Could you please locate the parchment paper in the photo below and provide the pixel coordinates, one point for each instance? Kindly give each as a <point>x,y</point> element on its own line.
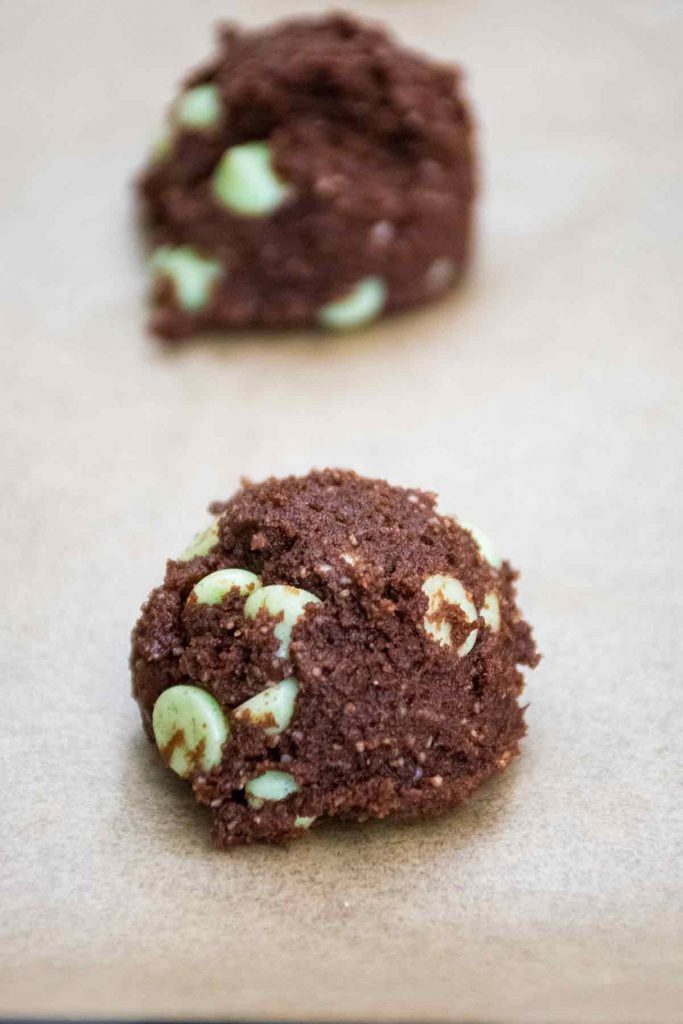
<point>543,402</point>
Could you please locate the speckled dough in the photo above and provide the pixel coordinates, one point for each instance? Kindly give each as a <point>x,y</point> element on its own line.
<point>312,173</point>
<point>368,667</point>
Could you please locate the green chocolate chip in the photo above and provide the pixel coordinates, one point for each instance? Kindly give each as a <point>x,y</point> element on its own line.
<point>490,611</point>
<point>202,543</point>
<point>287,604</point>
<point>270,786</point>
<point>192,275</point>
<point>361,305</point>
<point>244,180</point>
<point>190,729</point>
<point>199,107</point>
<point>273,708</point>
<point>447,590</point>
<point>213,588</point>
<point>304,821</point>
<point>484,543</point>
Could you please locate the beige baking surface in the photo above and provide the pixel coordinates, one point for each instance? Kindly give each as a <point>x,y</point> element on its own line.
<point>543,402</point>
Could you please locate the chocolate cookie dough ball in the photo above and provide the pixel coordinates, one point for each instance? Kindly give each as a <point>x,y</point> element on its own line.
<point>313,173</point>
<point>331,647</point>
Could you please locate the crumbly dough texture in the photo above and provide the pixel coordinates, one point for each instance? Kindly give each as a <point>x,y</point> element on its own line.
<point>387,720</point>
<point>374,145</point>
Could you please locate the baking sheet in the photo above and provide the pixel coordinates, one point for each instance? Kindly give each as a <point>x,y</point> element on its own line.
<point>543,402</point>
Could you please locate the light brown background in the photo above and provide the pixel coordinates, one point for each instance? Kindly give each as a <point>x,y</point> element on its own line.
<point>543,402</point>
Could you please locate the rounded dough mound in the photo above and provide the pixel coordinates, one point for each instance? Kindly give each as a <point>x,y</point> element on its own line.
<point>368,667</point>
<point>315,173</point>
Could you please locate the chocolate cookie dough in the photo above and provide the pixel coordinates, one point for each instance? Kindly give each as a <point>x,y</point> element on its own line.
<point>331,646</point>
<point>312,173</point>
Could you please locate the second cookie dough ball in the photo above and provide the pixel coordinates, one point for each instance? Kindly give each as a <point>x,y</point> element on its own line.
<point>313,173</point>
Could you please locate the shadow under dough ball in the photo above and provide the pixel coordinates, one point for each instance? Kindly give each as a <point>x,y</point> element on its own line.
<point>312,173</point>
<point>331,646</point>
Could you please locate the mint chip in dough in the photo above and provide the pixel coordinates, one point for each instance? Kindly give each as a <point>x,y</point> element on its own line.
<point>199,108</point>
<point>246,183</point>
<point>192,275</point>
<point>190,729</point>
<point>362,304</point>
